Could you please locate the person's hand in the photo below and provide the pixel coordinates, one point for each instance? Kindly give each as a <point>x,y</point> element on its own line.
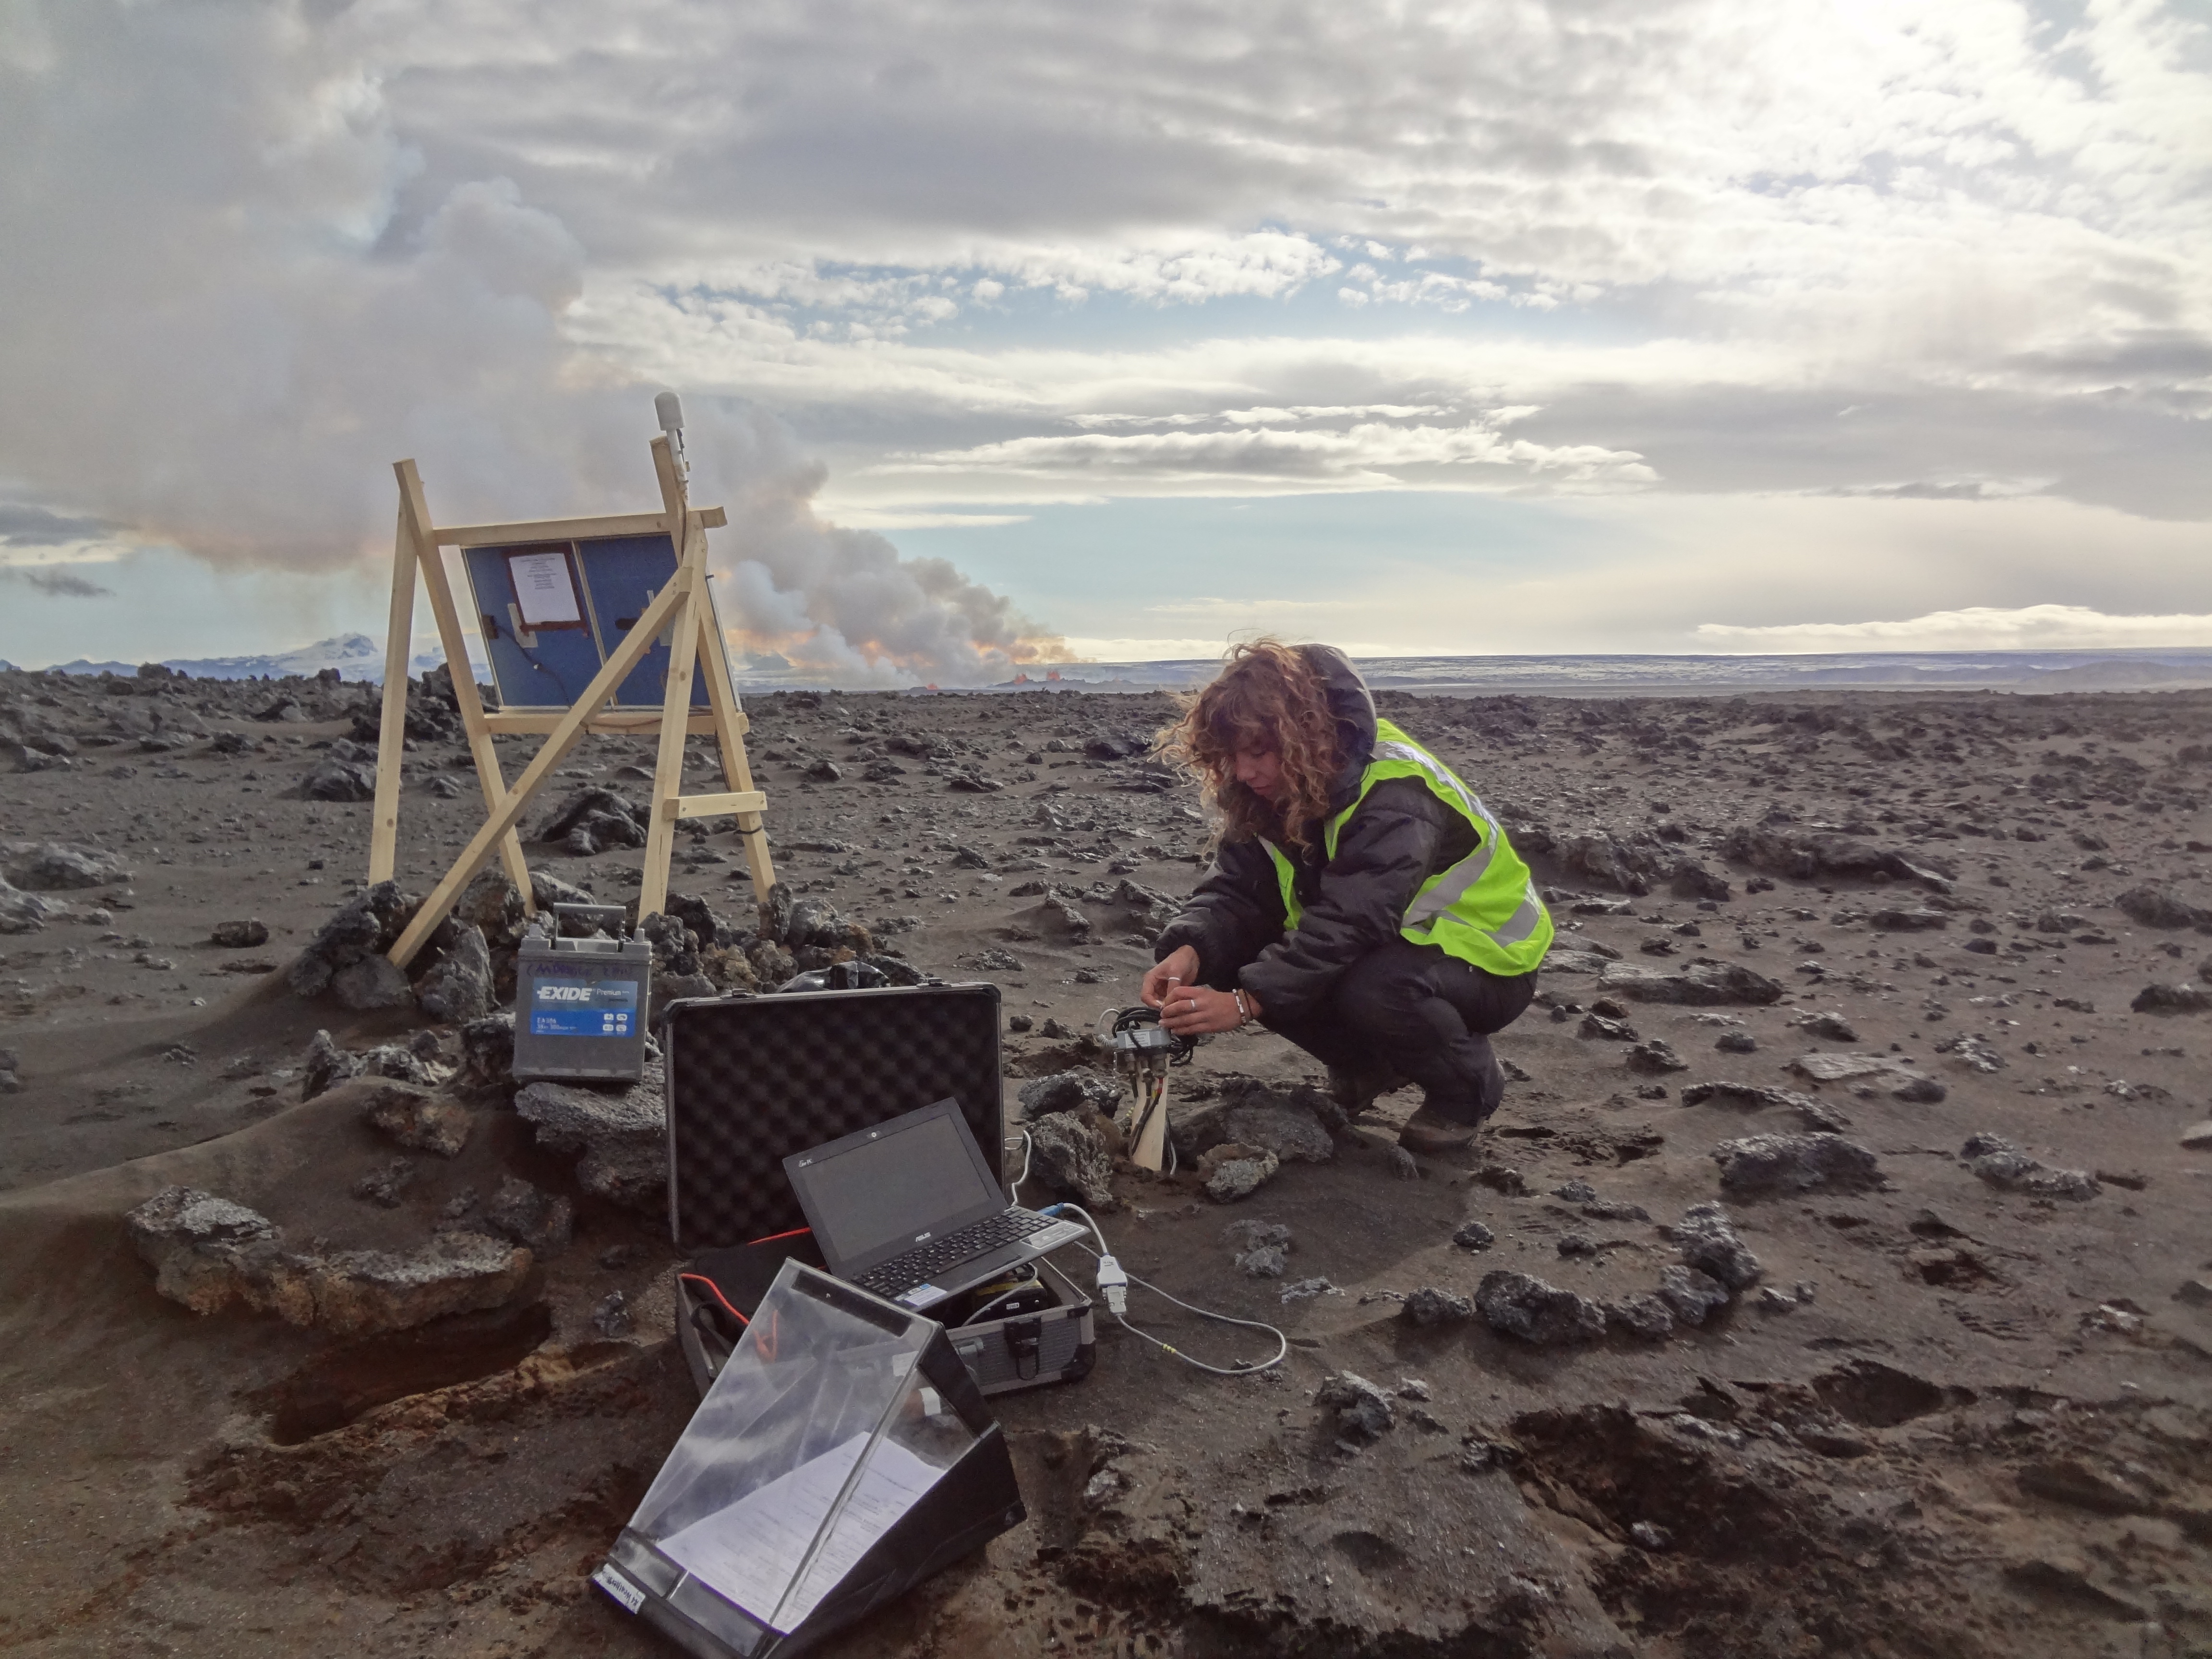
<point>1178,967</point>
<point>1195,1011</point>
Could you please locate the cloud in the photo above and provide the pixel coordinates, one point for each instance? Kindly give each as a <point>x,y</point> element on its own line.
<point>25,526</point>
<point>1976,628</point>
<point>56,581</point>
<point>1367,455</point>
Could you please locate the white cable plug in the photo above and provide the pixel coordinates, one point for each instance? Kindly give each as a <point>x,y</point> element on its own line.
<point>1114,1285</point>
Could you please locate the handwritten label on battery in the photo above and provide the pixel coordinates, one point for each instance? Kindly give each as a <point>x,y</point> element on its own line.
<point>614,1584</point>
<point>599,1008</point>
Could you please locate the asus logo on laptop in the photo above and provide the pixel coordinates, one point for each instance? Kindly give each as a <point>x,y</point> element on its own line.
<point>922,1238</point>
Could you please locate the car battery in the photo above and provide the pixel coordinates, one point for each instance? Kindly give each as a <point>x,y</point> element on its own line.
<point>580,1003</point>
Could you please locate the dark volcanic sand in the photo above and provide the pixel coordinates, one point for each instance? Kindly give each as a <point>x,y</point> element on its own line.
<point>1981,1429</point>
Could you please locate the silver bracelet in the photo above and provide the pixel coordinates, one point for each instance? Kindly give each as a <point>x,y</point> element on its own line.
<point>1244,1010</point>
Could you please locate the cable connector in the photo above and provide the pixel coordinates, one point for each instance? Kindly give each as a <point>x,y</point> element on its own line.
<point>1114,1285</point>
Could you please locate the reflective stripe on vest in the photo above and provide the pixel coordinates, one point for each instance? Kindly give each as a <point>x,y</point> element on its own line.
<point>1458,909</point>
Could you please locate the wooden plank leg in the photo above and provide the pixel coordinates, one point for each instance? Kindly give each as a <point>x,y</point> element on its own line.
<point>414,513</point>
<point>736,768</point>
<point>391,729</point>
<point>668,767</point>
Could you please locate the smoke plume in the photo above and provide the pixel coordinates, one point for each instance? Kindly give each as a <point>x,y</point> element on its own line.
<point>230,308</point>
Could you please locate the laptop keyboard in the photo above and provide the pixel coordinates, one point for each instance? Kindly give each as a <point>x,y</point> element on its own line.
<point>904,1273</point>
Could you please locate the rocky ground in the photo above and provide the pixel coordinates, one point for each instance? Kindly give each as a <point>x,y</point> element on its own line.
<point>1835,1280</point>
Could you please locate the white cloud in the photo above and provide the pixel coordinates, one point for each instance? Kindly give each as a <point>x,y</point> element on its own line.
<point>1976,628</point>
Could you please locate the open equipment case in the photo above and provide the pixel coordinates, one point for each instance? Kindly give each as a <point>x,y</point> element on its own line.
<point>752,1081</point>
<point>843,1456</point>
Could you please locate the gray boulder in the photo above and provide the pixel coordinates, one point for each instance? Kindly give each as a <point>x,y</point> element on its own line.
<point>1292,1123</point>
<point>1796,1163</point>
<point>1519,1305</point>
<point>202,1249</point>
<point>1074,1090</point>
<point>1068,1153</point>
<point>530,1216</point>
<point>1816,1114</point>
<point>331,779</point>
<point>326,1065</point>
<point>1233,1171</point>
<point>1645,1316</point>
<point>2159,906</point>
<point>24,913</point>
<point>2171,999</point>
<point>488,1052</point>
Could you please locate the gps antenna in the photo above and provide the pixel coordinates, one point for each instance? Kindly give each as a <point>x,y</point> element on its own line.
<point>670,409</point>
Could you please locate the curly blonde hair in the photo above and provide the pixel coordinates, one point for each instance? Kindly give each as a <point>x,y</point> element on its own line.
<point>1266,697</point>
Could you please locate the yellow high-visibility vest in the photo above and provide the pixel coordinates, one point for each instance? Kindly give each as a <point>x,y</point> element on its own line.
<point>1483,909</point>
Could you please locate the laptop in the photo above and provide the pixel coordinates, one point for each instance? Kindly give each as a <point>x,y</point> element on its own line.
<point>910,1210</point>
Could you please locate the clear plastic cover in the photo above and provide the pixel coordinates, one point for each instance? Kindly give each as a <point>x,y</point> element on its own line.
<point>820,1432</point>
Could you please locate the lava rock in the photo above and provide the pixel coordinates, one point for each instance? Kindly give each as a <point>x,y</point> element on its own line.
<point>326,1065</point>
<point>1233,1171</point>
<point>1829,1027</point>
<point>1431,1306</point>
<point>1707,1241</point>
<point>414,1118</point>
<point>621,1135</point>
<point>53,866</point>
<point>2158,906</point>
<point>1363,1413</point>
<point>2171,999</point>
<point>24,913</point>
<point>332,779</point>
<point>1908,921</point>
<point>487,1053</point>
<point>240,935</point>
<point>1288,1123</point>
<point>384,1186</point>
<point>1263,1262</point>
<point>529,1215</point>
<point>372,983</point>
<point>1817,1114</point>
<point>202,1249</point>
<point>1068,1151</point>
<point>1997,1161</point>
<point>1803,856</point>
<point>1072,1091</point>
<point>1473,1235</point>
<point>460,989</point>
<point>1517,1304</point>
<point>364,927</point>
<point>594,820</point>
<point>1690,1294</point>
<point>1644,1317</point>
<point>1249,1233</point>
<point>1919,1091</point>
<point>1795,1163</point>
<point>612,1318</point>
<point>1699,984</point>
<point>1654,1057</point>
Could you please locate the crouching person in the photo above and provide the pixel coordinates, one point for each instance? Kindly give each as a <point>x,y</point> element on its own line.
<point>1362,902</point>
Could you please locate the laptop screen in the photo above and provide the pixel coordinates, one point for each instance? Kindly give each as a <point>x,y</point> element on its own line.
<point>913,1175</point>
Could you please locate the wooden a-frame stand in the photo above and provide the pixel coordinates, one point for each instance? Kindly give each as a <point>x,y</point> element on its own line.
<point>679,610</point>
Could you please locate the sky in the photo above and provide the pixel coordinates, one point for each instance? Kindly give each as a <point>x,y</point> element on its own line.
<point>1011,333</point>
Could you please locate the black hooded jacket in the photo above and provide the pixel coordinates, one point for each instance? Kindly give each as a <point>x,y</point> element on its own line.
<point>1401,835</point>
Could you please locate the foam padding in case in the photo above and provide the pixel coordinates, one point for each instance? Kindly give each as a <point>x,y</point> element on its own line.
<point>754,1080</point>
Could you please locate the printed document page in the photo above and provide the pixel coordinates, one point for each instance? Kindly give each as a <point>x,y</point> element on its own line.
<point>750,1551</point>
<point>543,590</point>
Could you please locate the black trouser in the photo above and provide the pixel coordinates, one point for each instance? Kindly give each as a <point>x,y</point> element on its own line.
<point>1415,1010</point>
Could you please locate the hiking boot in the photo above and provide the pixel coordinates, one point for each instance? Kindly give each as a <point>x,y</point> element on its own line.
<point>1430,1131</point>
<point>1357,1090</point>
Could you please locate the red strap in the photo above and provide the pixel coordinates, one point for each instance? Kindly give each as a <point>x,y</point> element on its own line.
<point>714,1291</point>
<point>796,1232</point>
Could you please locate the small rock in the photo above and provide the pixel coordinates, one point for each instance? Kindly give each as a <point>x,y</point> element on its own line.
<point>488,1052</point>
<point>383,1187</point>
<point>1649,1536</point>
<point>1473,1235</point>
<point>459,989</point>
<point>1644,1317</point>
<point>1772,1299</point>
<point>1249,1233</point>
<point>1654,1057</point>
<point>612,1318</point>
<point>1233,1171</point>
<point>1576,1192</point>
<point>1919,1091</point>
<point>240,935</point>
<point>417,1119</point>
<point>1830,1028</point>
<point>2197,1137</point>
<point>1019,1022</point>
<point>1575,1244</point>
<point>1518,1304</point>
<point>1306,1290</point>
<point>1908,921</point>
<point>325,1064</point>
<point>1404,1166</point>
<point>621,1133</point>
<point>1707,1241</point>
<point>375,982</point>
<point>1690,1294</point>
<point>2006,1167</point>
<point>1263,1262</point>
<point>1363,1413</point>
<point>1701,984</point>
<point>1795,1163</point>
<point>543,1220</point>
<point>1735,1042</point>
<point>1431,1306</point>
